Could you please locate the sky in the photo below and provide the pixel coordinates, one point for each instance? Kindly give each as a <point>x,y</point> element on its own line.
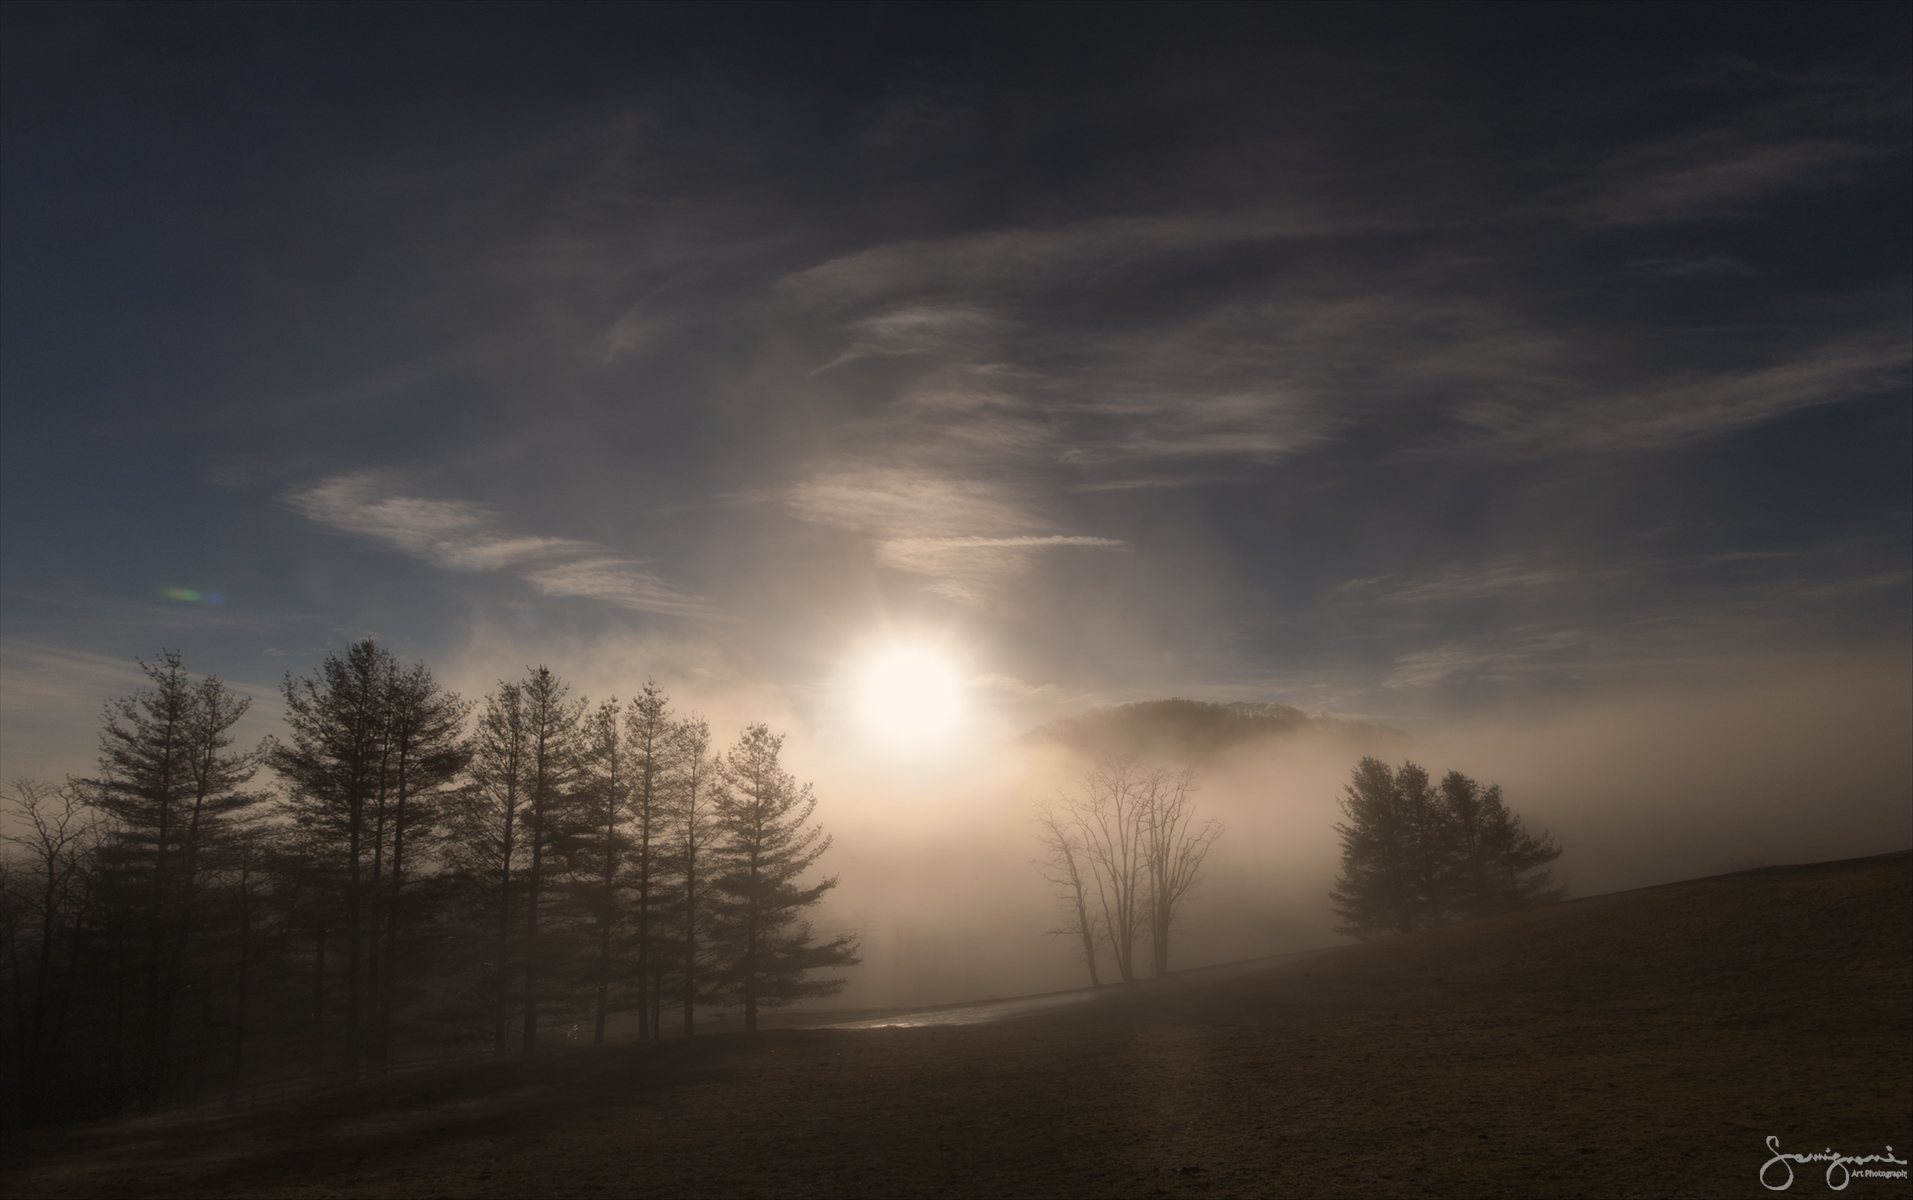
<point>1533,379</point>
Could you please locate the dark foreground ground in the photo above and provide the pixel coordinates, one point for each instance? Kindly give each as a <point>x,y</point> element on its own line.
<point>1644,1043</point>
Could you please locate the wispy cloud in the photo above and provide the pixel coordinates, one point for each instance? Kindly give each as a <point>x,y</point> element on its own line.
<point>616,581</point>
<point>920,521</point>
<point>1520,651</point>
<point>1718,175</point>
<point>1694,268</point>
<point>921,329</point>
<point>1012,261</point>
<point>454,534</point>
<point>1665,413</point>
<point>460,536</point>
<point>1461,582</point>
<point>1777,135</point>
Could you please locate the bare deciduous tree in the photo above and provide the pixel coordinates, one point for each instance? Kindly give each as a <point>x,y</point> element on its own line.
<point>42,896</point>
<point>1174,848</point>
<point>1124,852</point>
<point>1065,864</point>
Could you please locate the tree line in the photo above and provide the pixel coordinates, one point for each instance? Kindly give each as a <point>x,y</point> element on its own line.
<point>1417,854</point>
<point>401,873</point>
<point>1123,851</point>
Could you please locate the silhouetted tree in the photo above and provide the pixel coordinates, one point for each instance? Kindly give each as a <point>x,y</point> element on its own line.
<point>1376,890</point>
<point>426,752</point>
<point>690,786</point>
<point>369,748</point>
<point>1111,815</point>
<point>1415,856</point>
<point>1498,865</point>
<point>174,789</point>
<point>1174,848</point>
<point>1124,851</point>
<point>161,939</point>
<point>488,848</point>
<point>765,841</point>
<point>333,761</point>
<point>653,751</point>
<point>606,790</point>
<point>43,891</point>
<point>1065,865</point>
<point>551,769</point>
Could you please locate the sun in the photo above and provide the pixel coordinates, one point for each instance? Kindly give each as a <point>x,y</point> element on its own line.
<point>909,695</point>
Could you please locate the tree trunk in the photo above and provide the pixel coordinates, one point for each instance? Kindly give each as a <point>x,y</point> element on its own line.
<point>529,1034</point>
<point>690,944</point>
<point>501,1000</point>
<point>318,1014</point>
<point>353,932</point>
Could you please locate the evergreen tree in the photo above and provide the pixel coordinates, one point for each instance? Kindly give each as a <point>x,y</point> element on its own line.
<point>175,790</point>
<point>552,756</point>
<point>691,785</point>
<point>653,751</point>
<point>1415,856</point>
<point>604,847</point>
<point>1376,890</point>
<point>427,751</point>
<point>489,847</point>
<point>369,748</point>
<point>333,761</point>
<point>765,841</point>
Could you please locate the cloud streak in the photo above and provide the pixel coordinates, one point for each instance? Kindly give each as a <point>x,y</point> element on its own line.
<point>1668,413</point>
<point>457,535</point>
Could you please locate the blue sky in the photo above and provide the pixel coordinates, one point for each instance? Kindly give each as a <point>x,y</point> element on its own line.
<point>1424,364</point>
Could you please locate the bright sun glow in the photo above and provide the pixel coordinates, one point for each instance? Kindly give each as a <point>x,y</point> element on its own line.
<point>909,695</point>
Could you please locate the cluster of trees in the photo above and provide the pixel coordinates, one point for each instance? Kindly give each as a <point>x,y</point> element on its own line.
<point>1416,854</point>
<point>1123,852</point>
<point>388,879</point>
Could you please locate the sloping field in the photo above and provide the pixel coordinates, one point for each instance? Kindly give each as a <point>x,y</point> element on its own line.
<point>1644,1043</point>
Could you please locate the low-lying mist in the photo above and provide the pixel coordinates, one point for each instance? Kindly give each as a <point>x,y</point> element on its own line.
<point>1652,787</point>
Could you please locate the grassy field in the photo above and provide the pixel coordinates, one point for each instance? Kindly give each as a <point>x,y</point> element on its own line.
<point>1638,1044</point>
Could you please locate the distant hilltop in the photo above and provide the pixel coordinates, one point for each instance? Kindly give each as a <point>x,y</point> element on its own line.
<point>1192,730</point>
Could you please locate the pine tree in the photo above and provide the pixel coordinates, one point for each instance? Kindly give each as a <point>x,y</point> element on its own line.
<point>1376,890</point>
<point>175,789</point>
<point>427,751</point>
<point>691,786</point>
<point>605,846</point>
<point>1415,856</point>
<point>653,752</point>
<point>765,841</point>
<point>368,749</point>
<point>489,847</point>
<point>551,773</point>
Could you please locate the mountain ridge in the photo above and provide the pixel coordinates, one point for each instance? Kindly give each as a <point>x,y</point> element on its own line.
<point>1196,730</point>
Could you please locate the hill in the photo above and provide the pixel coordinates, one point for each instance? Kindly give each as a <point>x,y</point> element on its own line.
<point>1643,1043</point>
<point>1195,731</point>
